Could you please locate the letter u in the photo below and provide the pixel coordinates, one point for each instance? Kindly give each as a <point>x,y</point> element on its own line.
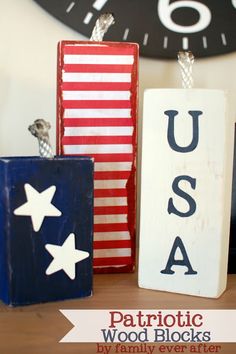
<point>171,128</point>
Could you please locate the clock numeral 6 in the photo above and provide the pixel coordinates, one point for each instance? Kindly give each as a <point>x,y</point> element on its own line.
<point>165,9</point>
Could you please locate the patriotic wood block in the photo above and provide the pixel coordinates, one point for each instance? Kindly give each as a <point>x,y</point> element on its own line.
<point>185,191</point>
<point>46,223</point>
<point>97,112</point>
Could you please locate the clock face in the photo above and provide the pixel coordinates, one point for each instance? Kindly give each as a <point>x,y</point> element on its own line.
<point>161,27</point>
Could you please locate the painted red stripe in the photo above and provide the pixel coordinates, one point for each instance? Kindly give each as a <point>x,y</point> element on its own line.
<point>96,86</point>
<point>98,122</point>
<point>110,227</point>
<point>111,175</point>
<point>97,68</point>
<point>99,245</point>
<point>110,210</point>
<point>96,140</point>
<point>106,193</point>
<point>112,261</point>
<point>108,157</point>
<point>119,49</point>
<point>69,47</point>
<point>96,104</point>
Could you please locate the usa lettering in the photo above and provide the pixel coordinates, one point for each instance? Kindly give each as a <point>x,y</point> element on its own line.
<point>178,244</point>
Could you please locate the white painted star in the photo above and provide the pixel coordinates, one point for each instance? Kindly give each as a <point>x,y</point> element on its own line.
<point>38,205</point>
<point>65,257</point>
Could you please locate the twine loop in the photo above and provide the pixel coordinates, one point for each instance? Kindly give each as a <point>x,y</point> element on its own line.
<point>186,60</point>
<point>101,27</point>
<point>40,129</point>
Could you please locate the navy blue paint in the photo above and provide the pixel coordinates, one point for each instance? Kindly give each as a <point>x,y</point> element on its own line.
<point>178,243</point>
<point>23,250</point>
<point>3,240</point>
<point>184,195</point>
<point>171,135</point>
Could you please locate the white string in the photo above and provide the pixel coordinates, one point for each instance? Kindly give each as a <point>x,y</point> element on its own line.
<point>45,150</point>
<point>101,26</point>
<point>186,60</point>
<point>40,129</point>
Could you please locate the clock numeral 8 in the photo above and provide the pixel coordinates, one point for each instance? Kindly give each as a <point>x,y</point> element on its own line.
<point>165,9</point>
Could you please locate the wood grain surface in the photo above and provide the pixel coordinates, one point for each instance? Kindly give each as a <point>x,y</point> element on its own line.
<point>37,329</point>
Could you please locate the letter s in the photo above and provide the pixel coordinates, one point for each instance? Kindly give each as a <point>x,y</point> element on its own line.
<point>192,204</point>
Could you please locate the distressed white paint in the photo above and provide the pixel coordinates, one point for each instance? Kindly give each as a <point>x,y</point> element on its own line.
<point>101,59</point>
<point>114,201</point>
<point>205,234</point>
<point>110,183</point>
<point>96,95</point>
<point>98,131</point>
<point>96,77</point>
<point>99,149</point>
<point>65,257</point>
<point>97,113</point>
<point>38,205</point>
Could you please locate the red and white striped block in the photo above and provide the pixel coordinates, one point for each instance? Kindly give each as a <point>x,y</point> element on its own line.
<point>97,116</point>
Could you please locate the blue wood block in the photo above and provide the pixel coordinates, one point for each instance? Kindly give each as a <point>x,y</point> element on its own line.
<point>46,229</point>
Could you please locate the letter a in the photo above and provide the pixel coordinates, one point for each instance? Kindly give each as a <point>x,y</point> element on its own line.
<point>171,135</point>
<point>178,243</point>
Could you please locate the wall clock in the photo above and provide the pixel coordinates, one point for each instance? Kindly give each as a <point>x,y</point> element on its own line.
<point>161,27</point>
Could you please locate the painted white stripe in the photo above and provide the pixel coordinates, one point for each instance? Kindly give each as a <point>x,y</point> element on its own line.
<point>98,59</point>
<point>88,18</point>
<point>145,39</point>
<point>98,4</point>
<point>234,3</point>
<point>70,7</point>
<point>97,113</point>
<point>113,166</point>
<point>98,131</point>
<point>119,201</point>
<point>96,95</point>
<point>86,45</point>
<point>117,252</point>
<point>118,235</point>
<point>99,149</point>
<point>110,219</point>
<point>96,77</point>
<point>185,43</point>
<point>110,184</point>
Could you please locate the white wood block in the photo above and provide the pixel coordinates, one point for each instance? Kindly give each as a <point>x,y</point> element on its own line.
<point>185,191</point>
